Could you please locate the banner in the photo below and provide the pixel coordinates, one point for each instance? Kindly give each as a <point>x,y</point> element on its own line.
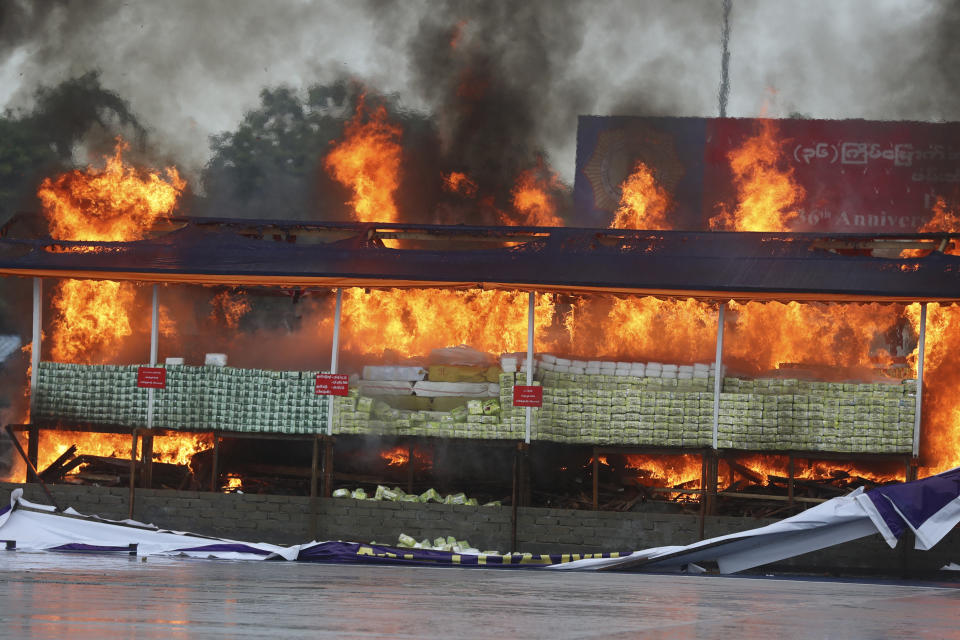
<point>851,176</point>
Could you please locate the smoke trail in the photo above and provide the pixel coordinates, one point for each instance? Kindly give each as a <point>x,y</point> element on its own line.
<point>725,58</point>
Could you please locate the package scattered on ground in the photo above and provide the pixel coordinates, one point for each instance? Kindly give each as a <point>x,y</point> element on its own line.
<point>396,494</point>
<point>448,543</point>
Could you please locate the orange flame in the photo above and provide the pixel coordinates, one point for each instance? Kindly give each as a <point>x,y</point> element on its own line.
<point>112,204</point>
<point>779,465</point>
<point>458,182</point>
<point>767,195</point>
<point>367,161</point>
<point>533,202</point>
<point>400,456</point>
<point>668,471</point>
<point>229,307</point>
<point>412,322</point>
<point>173,448</point>
<point>643,202</point>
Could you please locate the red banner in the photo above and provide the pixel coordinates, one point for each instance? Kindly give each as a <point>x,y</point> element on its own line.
<point>332,384</point>
<point>151,377</point>
<point>524,396</point>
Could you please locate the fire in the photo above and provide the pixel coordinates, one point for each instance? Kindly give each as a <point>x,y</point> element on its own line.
<point>367,161</point>
<point>668,471</point>
<point>944,220</point>
<point>767,194</point>
<point>458,182</point>
<point>940,436</point>
<point>173,448</point>
<point>400,456</point>
<point>412,322</point>
<point>645,327</point>
<point>396,457</point>
<point>533,201</point>
<point>234,483</point>
<point>229,307</point>
<point>779,465</point>
<point>643,203</point>
<point>112,204</point>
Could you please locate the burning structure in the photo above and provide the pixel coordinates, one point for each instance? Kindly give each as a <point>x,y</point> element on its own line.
<point>682,364</point>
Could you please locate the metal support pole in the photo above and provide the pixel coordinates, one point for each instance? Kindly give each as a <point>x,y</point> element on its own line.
<point>718,376</point>
<point>35,346</point>
<point>919,410</point>
<point>530,305</point>
<point>147,456</point>
<point>133,470</point>
<point>334,355</point>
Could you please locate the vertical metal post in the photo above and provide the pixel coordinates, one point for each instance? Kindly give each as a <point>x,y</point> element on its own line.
<point>334,355</point>
<point>154,339</point>
<point>35,346</point>
<point>718,376</point>
<point>530,305</point>
<point>920,349</point>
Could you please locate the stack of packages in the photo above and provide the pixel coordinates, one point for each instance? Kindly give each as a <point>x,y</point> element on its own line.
<point>94,394</point>
<point>209,398</point>
<point>817,416</point>
<point>456,397</point>
<point>626,403</point>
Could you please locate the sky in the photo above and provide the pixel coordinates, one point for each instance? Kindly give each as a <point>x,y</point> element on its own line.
<point>191,68</point>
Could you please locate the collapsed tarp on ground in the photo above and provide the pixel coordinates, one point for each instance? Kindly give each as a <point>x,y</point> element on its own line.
<point>929,508</point>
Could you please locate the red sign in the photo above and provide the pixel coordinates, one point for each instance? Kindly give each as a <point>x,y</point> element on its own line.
<point>332,384</point>
<point>524,396</point>
<point>152,378</point>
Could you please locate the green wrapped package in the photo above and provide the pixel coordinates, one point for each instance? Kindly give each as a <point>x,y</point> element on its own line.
<point>455,498</point>
<point>474,407</point>
<point>341,493</point>
<point>405,541</point>
<point>491,407</point>
<point>359,494</point>
<point>431,495</point>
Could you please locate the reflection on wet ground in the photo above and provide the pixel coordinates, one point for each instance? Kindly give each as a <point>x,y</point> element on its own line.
<point>84,596</point>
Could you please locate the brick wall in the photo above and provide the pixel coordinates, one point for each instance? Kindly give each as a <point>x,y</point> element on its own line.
<point>297,519</point>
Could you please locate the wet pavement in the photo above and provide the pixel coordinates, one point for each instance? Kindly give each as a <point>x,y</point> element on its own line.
<point>84,596</point>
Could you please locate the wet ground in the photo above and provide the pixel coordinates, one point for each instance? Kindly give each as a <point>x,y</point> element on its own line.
<point>84,596</point>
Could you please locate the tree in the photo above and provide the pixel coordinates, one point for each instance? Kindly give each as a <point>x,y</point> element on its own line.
<point>271,166</point>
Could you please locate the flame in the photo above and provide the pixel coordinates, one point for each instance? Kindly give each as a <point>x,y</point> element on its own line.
<point>779,465</point>
<point>945,220</point>
<point>396,457</point>
<point>412,322</point>
<point>234,483</point>
<point>668,471</point>
<point>400,456</point>
<point>767,195</point>
<point>458,182</point>
<point>940,435</point>
<point>112,204</point>
<point>643,203</point>
<point>533,202</point>
<point>367,161</point>
<point>176,448</point>
<point>229,307</point>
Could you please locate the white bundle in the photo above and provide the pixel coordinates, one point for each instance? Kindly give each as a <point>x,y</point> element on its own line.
<point>460,389</point>
<point>578,370</point>
<point>174,361</point>
<point>624,373</point>
<point>406,374</point>
<point>592,370</point>
<point>701,374</point>
<point>684,375</point>
<point>670,368</point>
<point>508,364</point>
<point>595,363</point>
<point>561,368</point>
<point>563,362</point>
<point>385,387</point>
<point>215,360</point>
<point>685,368</point>
<point>548,358</point>
<point>638,369</point>
<point>668,374</point>
<point>654,369</point>
<point>546,366</point>
<point>703,367</point>
<point>578,363</point>
<point>608,367</point>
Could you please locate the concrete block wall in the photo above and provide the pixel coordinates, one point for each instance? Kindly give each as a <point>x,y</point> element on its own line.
<point>298,519</point>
